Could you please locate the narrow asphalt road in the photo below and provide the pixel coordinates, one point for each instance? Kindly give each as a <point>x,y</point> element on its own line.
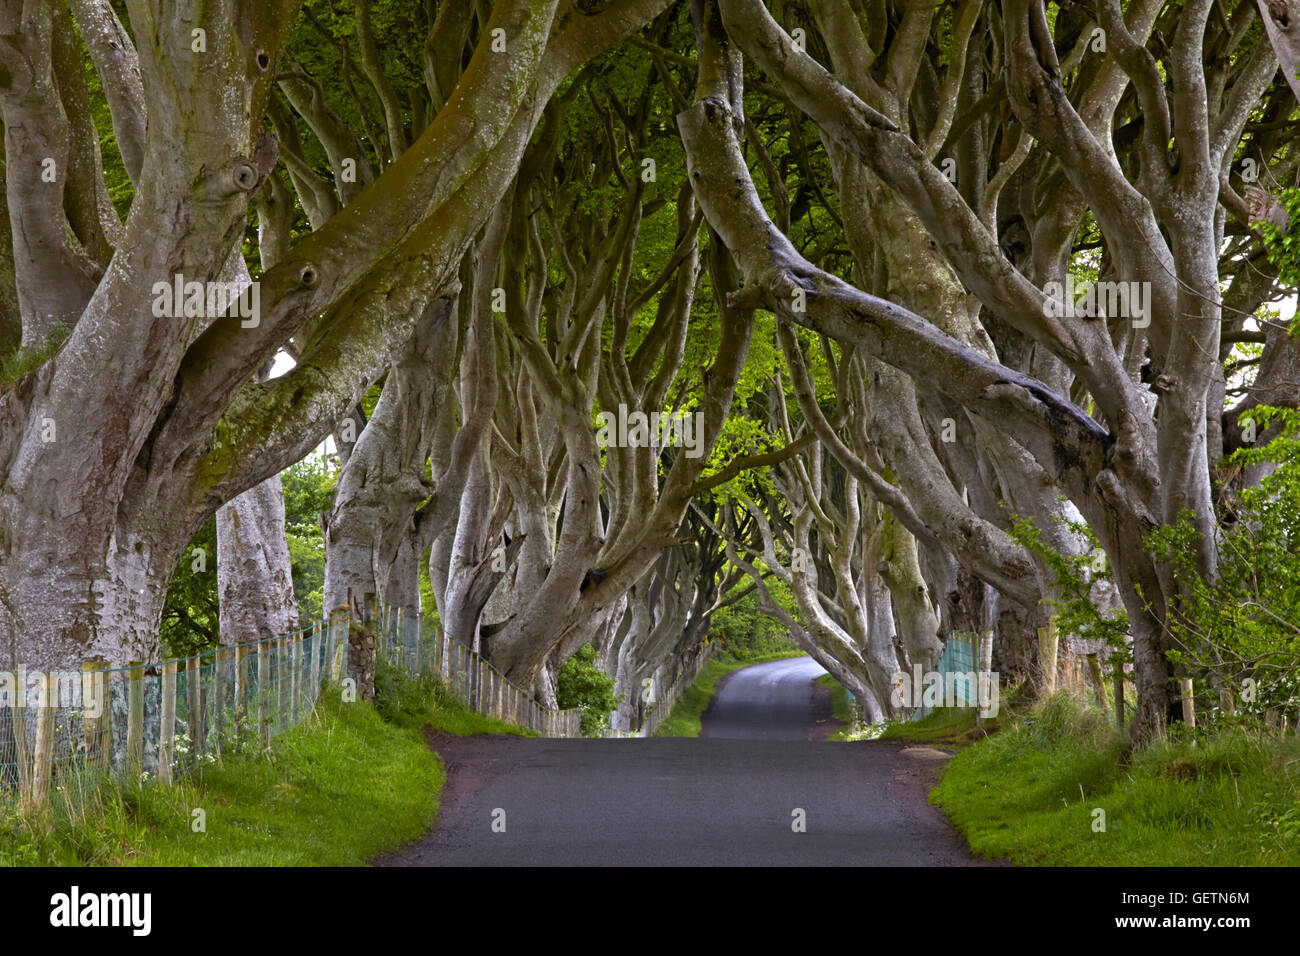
<point>775,700</point>
<point>754,792</point>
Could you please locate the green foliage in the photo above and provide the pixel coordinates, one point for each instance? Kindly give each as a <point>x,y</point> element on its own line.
<point>307,558</point>
<point>308,487</point>
<point>747,633</point>
<point>19,362</point>
<point>191,612</point>
<point>1244,626</point>
<point>428,602</point>
<point>841,709</point>
<point>583,684</point>
<point>1074,578</point>
<point>1283,248</point>
<point>120,190</point>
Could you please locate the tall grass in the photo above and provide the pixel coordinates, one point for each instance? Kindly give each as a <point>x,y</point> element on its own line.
<point>350,782</point>
<point>1031,793</point>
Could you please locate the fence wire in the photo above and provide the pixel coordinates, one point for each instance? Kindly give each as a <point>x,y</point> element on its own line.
<point>410,641</point>
<point>63,734</point>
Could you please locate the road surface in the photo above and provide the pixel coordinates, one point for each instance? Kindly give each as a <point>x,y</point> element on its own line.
<point>736,797</point>
<point>776,700</point>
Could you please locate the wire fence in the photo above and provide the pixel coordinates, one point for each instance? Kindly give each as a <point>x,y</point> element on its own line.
<point>408,640</point>
<point>658,711</point>
<point>964,676</point>
<point>961,678</point>
<point>63,734</point>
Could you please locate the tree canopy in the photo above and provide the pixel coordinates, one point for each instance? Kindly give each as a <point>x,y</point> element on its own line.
<point>890,318</point>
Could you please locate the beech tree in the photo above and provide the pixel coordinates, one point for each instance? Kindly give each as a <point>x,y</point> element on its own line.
<point>142,423</point>
<point>927,275</point>
<point>1130,458</point>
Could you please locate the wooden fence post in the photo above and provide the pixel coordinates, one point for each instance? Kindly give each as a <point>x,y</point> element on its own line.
<point>264,665</point>
<point>457,671</point>
<point>383,616</point>
<point>95,697</point>
<point>279,671</point>
<point>466,673</point>
<point>1227,703</point>
<point>41,764</point>
<point>135,719</point>
<point>243,678</point>
<point>399,633</point>
<point>335,647</point>
<point>219,698</point>
<point>1047,651</point>
<point>317,655</point>
<point>418,651</point>
<point>984,692</point>
<point>194,711</point>
<point>167,723</point>
<point>339,652</point>
<point>1095,678</point>
<point>470,665</point>
<point>420,656</point>
<point>1189,702</point>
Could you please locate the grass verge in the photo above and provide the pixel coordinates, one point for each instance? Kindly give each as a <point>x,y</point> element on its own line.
<point>841,710</point>
<point>1032,792</point>
<point>350,782</point>
<point>684,719</point>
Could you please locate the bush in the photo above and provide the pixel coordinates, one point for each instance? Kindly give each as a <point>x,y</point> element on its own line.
<point>584,685</point>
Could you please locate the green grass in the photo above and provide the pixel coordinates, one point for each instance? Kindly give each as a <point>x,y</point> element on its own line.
<point>413,702</point>
<point>19,362</point>
<point>841,709</point>
<point>943,725</point>
<point>684,719</point>
<point>1029,792</point>
<point>350,782</point>
<point>959,726</point>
